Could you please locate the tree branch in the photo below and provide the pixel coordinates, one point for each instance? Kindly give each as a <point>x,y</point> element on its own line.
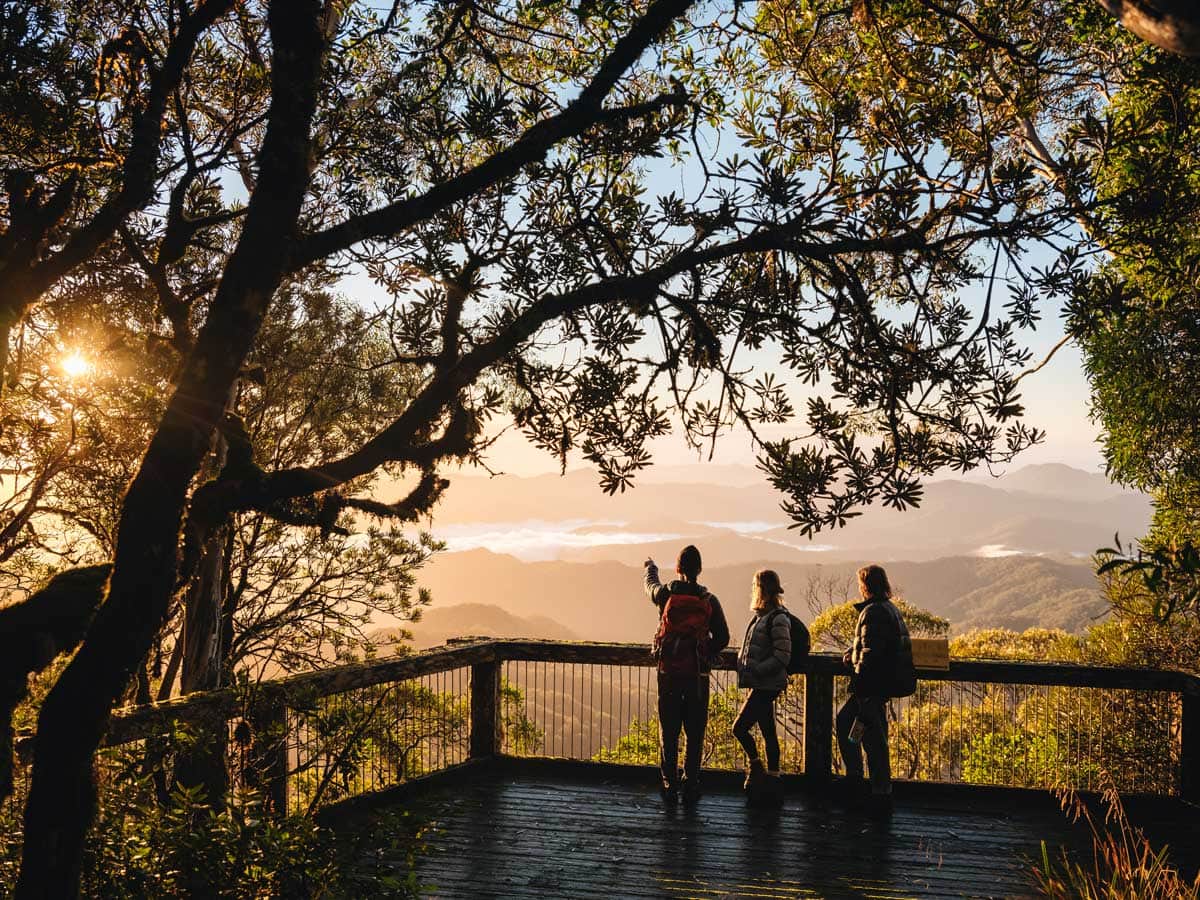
<point>61,805</point>
<point>140,168</point>
<point>1066,339</point>
<point>419,501</point>
<point>33,633</point>
<point>580,114</point>
<point>403,440</point>
<point>1171,24</point>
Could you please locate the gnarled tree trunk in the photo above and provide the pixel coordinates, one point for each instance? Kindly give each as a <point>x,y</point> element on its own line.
<point>1171,24</point>
<point>62,801</point>
<point>32,633</point>
<point>203,764</point>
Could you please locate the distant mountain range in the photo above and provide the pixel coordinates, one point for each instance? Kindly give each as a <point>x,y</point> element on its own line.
<point>552,556</point>
<point>1055,480</point>
<point>1045,509</point>
<point>603,601</point>
<point>440,623</point>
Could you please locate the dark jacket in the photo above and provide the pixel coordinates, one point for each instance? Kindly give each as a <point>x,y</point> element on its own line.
<point>766,651</point>
<point>881,648</point>
<point>718,628</point>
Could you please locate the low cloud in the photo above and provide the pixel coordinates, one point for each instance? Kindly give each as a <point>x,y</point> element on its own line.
<point>538,541</point>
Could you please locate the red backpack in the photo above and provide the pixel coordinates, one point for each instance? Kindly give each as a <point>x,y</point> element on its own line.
<point>681,642</point>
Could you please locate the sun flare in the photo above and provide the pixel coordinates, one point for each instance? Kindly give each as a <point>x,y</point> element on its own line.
<point>76,365</point>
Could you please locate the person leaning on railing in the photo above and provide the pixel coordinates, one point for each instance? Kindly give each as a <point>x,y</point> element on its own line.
<point>883,668</point>
<point>691,631</point>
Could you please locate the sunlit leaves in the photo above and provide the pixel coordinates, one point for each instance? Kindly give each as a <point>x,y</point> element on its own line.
<point>876,159</point>
<point>1170,574</point>
<point>1136,321</point>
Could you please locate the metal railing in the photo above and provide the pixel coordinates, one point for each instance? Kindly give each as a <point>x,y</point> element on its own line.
<point>604,708</point>
<point>313,739</point>
<point>1036,725</point>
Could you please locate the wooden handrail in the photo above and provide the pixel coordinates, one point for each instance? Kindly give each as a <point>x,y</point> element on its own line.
<point>984,670</point>
<point>136,722</point>
<point>267,704</point>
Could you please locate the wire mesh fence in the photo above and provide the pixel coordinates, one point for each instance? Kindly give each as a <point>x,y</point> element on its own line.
<point>1035,736</point>
<point>372,738</point>
<point>337,745</point>
<point>609,713</point>
<point>321,745</point>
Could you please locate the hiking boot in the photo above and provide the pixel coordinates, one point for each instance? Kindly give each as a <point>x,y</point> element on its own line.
<point>669,789</point>
<point>756,775</point>
<point>690,789</point>
<point>766,790</point>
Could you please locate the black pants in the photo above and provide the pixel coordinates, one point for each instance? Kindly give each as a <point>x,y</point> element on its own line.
<point>682,704</point>
<point>759,709</point>
<point>873,712</point>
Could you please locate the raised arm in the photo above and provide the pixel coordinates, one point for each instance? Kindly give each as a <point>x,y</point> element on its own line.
<point>654,588</point>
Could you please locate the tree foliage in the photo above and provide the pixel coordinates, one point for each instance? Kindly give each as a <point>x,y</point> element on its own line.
<point>1136,321</point>
<point>860,190</point>
<point>1032,645</point>
<point>833,628</point>
<point>638,741</point>
<point>186,847</point>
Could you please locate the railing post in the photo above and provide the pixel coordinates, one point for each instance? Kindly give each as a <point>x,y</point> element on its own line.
<point>1189,756</point>
<point>485,709</point>
<point>818,727</point>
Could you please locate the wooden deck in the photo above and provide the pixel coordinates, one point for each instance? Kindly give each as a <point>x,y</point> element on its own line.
<point>526,830</point>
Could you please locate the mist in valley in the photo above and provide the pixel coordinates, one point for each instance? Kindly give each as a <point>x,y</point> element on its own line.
<point>553,557</point>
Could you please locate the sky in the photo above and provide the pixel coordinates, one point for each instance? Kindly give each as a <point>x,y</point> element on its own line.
<point>1055,398</point>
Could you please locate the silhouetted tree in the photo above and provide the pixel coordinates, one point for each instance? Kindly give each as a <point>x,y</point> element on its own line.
<point>492,167</point>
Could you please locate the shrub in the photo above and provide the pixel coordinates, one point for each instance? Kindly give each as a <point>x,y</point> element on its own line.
<point>1124,863</point>
<point>186,848</point>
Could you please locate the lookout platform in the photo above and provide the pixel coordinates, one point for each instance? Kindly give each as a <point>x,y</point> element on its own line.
<point>531,763</point>
<point>530,828</point>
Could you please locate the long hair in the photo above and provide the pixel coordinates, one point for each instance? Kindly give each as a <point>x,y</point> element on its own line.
<point>765,590</point>
<point>873,583</point>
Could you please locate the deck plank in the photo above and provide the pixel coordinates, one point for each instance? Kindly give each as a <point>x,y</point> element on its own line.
<point>546,834</point>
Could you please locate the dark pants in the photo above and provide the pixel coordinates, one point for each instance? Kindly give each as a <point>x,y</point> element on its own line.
<point>682,704</point>
<point>759,709</point>
<point>873,712</point>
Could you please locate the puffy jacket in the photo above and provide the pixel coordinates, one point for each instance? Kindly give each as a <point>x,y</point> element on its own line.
<point>718,628</point>
<point>766,650</point>
<point>881,648</point>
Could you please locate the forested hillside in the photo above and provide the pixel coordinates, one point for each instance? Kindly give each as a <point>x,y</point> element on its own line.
<point>604,600</point>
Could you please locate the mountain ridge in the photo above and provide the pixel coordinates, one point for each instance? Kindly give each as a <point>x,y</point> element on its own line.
<point>604,600</point>
<point>956,517</point>
<point>1009,552</point>
<point>437,624</point>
